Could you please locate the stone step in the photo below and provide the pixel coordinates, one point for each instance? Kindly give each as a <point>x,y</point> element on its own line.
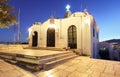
<point>15,55</point>
<point>46,48</point>
<point>34,59</point>
<point>42,61</point>
<point>51,48</point>
<point>51,64</point>
<point>45,59</point>
<point>31,61</point>
<point>7,55</point>
<point>53,55</point>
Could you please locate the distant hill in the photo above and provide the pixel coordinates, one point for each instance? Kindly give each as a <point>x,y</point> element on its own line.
<point>12,43</point>
<point>113,41</point>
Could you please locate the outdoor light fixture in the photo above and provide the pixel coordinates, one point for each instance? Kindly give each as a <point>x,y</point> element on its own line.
<point>87,21</point>
<point>30,30</point>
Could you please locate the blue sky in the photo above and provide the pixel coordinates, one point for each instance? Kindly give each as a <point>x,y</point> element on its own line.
<point>105,12</point>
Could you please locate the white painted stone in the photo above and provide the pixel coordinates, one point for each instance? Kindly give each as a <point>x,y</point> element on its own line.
<point>84,23</point>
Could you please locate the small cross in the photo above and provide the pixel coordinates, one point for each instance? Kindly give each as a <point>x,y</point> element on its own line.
<point>68,7</point>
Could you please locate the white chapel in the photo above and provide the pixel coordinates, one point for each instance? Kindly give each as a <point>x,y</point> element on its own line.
<point>75,31</point>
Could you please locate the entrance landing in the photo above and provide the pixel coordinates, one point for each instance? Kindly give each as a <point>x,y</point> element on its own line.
<point>37,59</point>
<point>31,52</point>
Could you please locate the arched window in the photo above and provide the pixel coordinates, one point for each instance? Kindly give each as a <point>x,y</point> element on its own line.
<point>35,39</point>
<point>72,37</point>
<point>93,32</point>
<point>97,35</point>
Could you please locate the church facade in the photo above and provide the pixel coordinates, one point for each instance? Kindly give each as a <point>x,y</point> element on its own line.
<point>76,31</point>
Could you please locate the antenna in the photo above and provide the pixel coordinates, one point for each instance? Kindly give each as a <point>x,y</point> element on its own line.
<point>86,5</point>
<point>81,7</point>
<point>53,14</point>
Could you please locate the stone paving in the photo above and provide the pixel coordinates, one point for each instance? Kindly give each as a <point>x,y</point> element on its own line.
<point>9,70</point>
<point>77,67</point>
<point>83,67</point>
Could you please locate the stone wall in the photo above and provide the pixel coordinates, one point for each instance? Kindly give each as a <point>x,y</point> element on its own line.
<point>12,46</point>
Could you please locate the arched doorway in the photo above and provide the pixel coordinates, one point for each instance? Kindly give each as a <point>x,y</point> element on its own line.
<point>35,39</point>
<point>51,37</point>
<point>72,37</point>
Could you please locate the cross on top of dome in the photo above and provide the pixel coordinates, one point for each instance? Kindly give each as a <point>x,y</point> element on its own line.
<point>68,7</point>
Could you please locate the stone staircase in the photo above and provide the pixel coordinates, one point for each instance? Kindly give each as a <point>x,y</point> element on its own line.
<point>44,62</point>
<point>47,62</point>
<point>51,61</point>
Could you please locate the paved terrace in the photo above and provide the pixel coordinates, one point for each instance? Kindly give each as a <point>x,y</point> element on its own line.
<point>8,70</point>
<point>77,67</point>
<point>32,52</point>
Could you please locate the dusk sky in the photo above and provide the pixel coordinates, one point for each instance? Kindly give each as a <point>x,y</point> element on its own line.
<point>105,12</point>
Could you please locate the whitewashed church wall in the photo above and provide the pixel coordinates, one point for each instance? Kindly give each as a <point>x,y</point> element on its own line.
<point>85,39</point>
<point>95,41</point>
<point>44,33</point>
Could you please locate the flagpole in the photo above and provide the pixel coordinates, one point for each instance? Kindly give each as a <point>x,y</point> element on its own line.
<point>19,27</point>
<point>14,33</point>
